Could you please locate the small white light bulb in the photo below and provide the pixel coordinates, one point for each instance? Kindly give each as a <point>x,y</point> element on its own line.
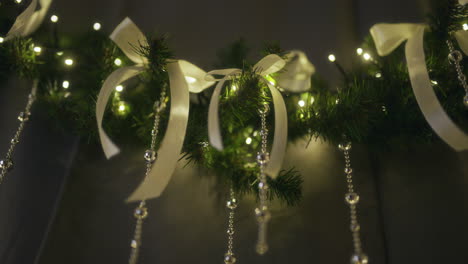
<point>331,58</point>
<point>234,88</point>
<point>434,82</point>
<point>69,62</point>
<point>248,140</point>
<point>378,75</point>
<point>121,107</point>
<point>366,56</point>
<point>119,88</point>
<point>118,62</point>
<point>37,49</point>
<point>465,26</point>
<point>54,18</point>
<point>359,51</point>
<point>2,39</point>
<point>65,84</point>
<point>18,1</point>
<point>97,26</point>
<point>301,103</point>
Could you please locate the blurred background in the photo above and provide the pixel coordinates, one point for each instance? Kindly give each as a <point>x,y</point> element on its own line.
<point>64,203</point>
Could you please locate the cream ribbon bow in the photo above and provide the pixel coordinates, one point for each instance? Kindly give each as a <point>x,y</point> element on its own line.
<point>127,36</point>
<point>294,76</point>
<point>29,20</point>
<point>388,37</point>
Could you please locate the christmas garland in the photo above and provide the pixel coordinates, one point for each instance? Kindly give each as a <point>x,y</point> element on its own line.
<point>374,105</point>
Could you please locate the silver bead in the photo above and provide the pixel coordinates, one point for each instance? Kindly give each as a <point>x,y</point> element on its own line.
<point>348,170</point>
<point>345,146</point>
<point>359,259</point>
<point>465,100</point>
<point>231,204</point>
<point>24,116</point>
<point>264,110</point>
<point>229,258</point>
<point>133,244</point>
<point>6,165</point>
<point>14,141</point>
<point>141,213</point>
<point>150,155</point>
<point>352,198</point>
<point>230,231</point>
<point>261,248</point>
<point>263,215</point>
<point>159,106</point>
<point>455,56</point>
<point>355,227</point>
<point>263,158</point>
<point>262,186</point>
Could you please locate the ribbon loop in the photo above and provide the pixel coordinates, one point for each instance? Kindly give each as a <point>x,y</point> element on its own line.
<point>295,76</point>
<point>127,36</point>
<point>387,37</point>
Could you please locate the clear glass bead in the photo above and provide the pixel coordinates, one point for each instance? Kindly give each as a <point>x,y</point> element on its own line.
<point>6,165</point>
<point>231,204</point>
<point>141,213</point>
<point>465,100</point>
<point>455,56</point>
<point>230,231</point>
<point>159,106</point>
<point>14,141</point>
<point>264,110</point>
<point>133,244</point>
<point>23,116</point>
<point>359,259</point>
<point>348,170</point>
<point>352,198</point>
<point>263,158</point>
<point>261,248</point>
<point>150,156</point>
<point>355,227</point>
<point>345,146</point>
<point>263,215</point>
<point>229,258</point>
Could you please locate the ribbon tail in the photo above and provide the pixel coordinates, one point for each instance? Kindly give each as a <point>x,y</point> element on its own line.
<point>462,38</point>
<point>171,146</point>
<point>214,130</point>
<point>280,138</point>
<point>427,100</point>
<point>117,77</point>
<point>22,21</point>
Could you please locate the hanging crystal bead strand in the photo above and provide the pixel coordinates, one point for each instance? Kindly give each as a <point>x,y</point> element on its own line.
<point>262,213</point>
<point>6,164</point>
<point>231,204</point>
<point>455,57</point>
<point>141,212</point>
<point>352,199</point>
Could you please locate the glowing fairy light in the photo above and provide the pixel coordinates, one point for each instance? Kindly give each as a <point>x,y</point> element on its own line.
<point>122,108</point>
<point>378,75</point>
<point>465,26</point>
<point>65,84</point>
<point>119,88</point>
<point>97,26</point>
<point>18,1</point>
<point>68,62</point>
<point>59,53</point>
<point>312,100</point>
<point>434,82</point>
<point>366,56</point>
<point>54,19</point>
<point>37,49</point>
<point>301,103</point>
<point>359,51</point>
<point>1,39</point>
<point>234,88</point>
<point>248,141</point>
<point>118,62</point>
<point>331,57</point>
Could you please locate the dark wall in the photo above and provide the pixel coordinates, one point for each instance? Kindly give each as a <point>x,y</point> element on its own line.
<point>413,203</point>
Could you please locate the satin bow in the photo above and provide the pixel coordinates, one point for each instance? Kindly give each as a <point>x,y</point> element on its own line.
<point>127,36</point>
<point>29,20</point>
<point>388,37</point>
<point>293,75</point>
